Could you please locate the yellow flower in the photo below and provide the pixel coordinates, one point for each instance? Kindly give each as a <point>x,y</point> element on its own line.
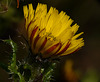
<point>50,33</point>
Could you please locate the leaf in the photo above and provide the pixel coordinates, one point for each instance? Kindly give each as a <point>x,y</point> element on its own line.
<point>12,66</point>
<point>48,73</point>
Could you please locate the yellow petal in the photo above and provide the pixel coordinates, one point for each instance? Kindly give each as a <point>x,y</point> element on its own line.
<point>74,47</point>
<point>76,36</point>
<point>51,50</point>
<point>65,36</point>
<point>75,28</point>
<point>31,12</point>
<point>25,10</point>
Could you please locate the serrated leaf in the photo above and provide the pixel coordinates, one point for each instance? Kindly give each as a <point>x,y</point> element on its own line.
<point>12,66</point>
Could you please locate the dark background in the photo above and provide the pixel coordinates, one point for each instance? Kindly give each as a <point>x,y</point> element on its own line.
<point>86,13</point>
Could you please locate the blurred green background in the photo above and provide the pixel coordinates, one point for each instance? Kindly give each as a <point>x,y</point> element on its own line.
<point>86,13</point>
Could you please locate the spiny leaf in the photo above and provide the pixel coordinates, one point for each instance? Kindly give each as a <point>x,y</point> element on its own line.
<point>12,66</point>
<point>12,43</point>
<point>48,73</point>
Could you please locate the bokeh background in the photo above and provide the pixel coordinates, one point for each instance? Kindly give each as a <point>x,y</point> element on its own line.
<point>82,66</point>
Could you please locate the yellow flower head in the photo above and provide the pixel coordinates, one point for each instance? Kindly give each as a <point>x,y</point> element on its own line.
<point>50,33</point>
